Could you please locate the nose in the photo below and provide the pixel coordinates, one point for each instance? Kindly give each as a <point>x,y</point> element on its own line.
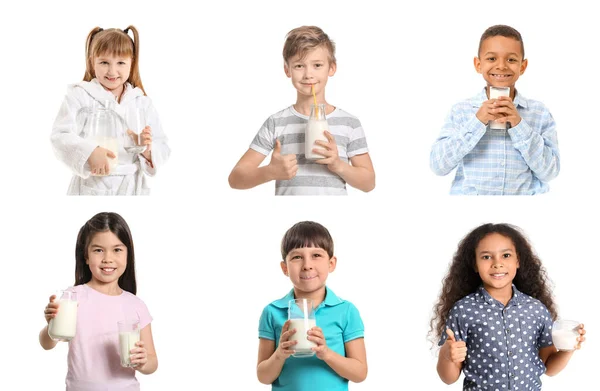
<point>112,69</point>
<point>497,262</point>
<point>307,265</point>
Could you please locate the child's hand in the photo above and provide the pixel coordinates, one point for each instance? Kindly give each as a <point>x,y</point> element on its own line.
<point>51,309</point>
<point>486,113</point>
<point>505,108</point>
<point>283,167</point>
<point>98,161</point>
<point>452,350</point>
<point>146,139</point>
<point>581,337</point>
<point>315,334</point>
<point>283,350</point>
<point>330,152</point>
<point>138,355</point>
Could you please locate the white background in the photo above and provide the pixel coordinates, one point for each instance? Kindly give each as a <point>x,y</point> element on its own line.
<point>207,256</point>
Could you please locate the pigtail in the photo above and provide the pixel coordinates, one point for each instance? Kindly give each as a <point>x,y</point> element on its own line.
<point>89,67</point>
<point>134,75</point>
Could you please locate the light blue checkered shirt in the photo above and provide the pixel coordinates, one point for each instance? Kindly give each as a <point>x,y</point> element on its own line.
<point>520,160</point>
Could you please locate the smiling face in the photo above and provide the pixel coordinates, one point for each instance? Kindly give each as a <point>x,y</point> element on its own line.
<point>308,268</point>
<point>112,72</point>
<point>496,262</point>
<point>106,258</point>
<point>314,69</point>
<point>500,61</point>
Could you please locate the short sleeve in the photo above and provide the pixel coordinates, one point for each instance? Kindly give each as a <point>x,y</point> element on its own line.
<point>544,337</point>
<point>354,326</point>
<point>357,142</point>
<point>143,314</point>
<point>266,329</point>
<point>454,322</point>
<point>264,141</point>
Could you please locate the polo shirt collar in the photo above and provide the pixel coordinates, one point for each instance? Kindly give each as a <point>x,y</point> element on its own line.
<point>331,299</point>
<point>517,298</point>
<point>478,99</point>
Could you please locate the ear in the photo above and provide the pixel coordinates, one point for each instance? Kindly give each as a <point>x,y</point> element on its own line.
<point>524,66</point>
<point>284,268</point>
<point>332,69</point>
<point>286,69</point>
<point>332,263</point>
<point>477,64</point>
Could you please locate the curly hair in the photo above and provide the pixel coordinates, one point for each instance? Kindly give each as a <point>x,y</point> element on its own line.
<point>462,279</point>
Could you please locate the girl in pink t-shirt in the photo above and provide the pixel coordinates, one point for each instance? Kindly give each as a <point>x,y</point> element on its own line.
<point>105,285</point>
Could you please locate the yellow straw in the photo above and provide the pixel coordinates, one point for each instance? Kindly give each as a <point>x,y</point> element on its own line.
<point>315,97</point>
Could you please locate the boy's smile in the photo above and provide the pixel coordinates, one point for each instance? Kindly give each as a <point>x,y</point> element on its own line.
<point>308,268</point>
<point>500,62</point>
<point>313,69</point>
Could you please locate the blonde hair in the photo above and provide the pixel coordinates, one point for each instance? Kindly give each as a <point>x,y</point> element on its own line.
<point>303,39</point>
<point>113,42</point>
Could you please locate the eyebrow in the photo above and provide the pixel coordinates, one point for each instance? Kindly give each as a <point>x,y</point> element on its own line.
<point>500,251</point>
<point>495,54</point>
<point>116,245</point>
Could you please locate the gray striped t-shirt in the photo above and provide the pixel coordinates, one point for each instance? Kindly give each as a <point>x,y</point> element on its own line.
<point>312,178</point>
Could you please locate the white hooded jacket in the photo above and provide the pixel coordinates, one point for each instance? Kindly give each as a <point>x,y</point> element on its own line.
<point>74,150</point>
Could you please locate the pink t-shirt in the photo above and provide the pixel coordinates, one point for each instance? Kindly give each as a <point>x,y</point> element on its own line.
<point>94,361</point>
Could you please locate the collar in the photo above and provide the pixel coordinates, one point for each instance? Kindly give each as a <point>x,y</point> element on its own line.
<point>300,115</point>
<point>330,299</point>
<point>96,91</point>
<point>517,298</point>
<point>481,97</point>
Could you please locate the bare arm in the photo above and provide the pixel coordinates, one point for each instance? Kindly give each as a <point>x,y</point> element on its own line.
<point>360,174</point>
<point>352,367</point>
<point>45,341</point>
<point>147,343</point>
<point>247,174</point>
<point>49,312</point>
<point>271,360</point>
<point>269,365</point>
<point>450,360</point>
<point>556,360</point>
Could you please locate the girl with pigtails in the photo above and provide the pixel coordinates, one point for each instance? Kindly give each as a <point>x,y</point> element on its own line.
<point>112,81</point>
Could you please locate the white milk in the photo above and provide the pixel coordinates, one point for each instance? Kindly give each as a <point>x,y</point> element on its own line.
<point>565,339</point>
<point>112,144</point>
<point>303,345</point>
<point>495,93</point>
<point>62,327</point>
<point>127,340</point>
<point>314,131</point>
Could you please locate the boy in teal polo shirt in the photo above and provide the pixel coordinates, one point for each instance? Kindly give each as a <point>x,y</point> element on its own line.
<point>340,355</point>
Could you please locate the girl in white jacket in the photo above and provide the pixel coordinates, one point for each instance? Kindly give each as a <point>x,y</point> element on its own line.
<point>112,77</point>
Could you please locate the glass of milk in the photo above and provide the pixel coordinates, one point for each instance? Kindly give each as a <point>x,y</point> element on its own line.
<point>302,318</point>
<point>495,93</point>
<point>63,326</point>
<point>129,334</point>
<point>315,130</point>
<point>103,129</point>
<point>135,117</point>
<point>564,334</point>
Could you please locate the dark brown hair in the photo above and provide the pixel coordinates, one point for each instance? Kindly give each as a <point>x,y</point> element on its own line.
<point>103,222</point>
<point>306,234</point>
<point>502,31</point>
<point>113,42</point>
<point>303,39</point>
<point>462,279</point>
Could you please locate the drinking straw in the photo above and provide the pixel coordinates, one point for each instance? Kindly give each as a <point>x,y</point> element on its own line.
<point>315,98</point>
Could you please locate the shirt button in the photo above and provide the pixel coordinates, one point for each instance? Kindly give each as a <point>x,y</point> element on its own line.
<point>510,353</point>
<point>502,164</point>
<point>507,331</point>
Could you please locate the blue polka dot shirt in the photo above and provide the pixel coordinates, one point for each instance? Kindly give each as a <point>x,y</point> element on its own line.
<point>503,343</point>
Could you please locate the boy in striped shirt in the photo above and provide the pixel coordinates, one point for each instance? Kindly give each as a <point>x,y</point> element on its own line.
<point>309,60</point>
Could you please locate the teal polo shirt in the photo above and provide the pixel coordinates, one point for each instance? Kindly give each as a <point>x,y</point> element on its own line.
<point>340,321</point>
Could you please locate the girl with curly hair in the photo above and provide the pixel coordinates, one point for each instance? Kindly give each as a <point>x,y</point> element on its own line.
<point>494,315</point>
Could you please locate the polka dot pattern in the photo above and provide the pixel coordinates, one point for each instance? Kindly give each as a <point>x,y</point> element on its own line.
<point>503,343</point>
